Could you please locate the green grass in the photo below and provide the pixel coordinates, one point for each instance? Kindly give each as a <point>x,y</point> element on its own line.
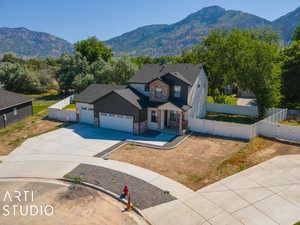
<point>231,118</point>
<point>70,106</point>
<point>298,223</point>
<point>43,101</point>
<point>75,179</point>
<point>223,99</point>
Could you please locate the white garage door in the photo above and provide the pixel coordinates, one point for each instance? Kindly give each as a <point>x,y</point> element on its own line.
<point>116,122</point>
<point>86,115</point>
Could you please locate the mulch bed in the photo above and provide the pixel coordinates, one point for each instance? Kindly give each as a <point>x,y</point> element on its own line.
<point>143,195</point>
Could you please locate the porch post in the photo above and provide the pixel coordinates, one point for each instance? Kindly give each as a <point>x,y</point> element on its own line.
<point>180,123</point>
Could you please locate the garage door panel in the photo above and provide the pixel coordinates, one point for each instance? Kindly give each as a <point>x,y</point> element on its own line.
<point>116,122</point>
<point>86,116</point>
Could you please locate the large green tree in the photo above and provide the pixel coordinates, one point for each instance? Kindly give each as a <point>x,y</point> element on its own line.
<point>93,49</point>
<point>254,65</point>
<point>291,75</point>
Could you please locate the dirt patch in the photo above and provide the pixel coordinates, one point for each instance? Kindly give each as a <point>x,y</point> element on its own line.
<point>88,207</point>
<point>202,160</point>
<point>14,135</point>
<point>188,163</point>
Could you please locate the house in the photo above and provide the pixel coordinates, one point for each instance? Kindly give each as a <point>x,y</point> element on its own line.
<point>158,97</point>
<point>13,107</point>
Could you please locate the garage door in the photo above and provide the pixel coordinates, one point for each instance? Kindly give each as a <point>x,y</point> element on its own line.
<point>86,115</point>
<point>116,122</point>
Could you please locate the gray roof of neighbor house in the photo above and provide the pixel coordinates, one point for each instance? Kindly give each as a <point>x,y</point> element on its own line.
<point>96,91</point>
<point>9,99</point>
<point>185,72</point>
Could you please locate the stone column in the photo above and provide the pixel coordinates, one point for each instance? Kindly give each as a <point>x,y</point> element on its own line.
<point>180,123</point>
<point>159,119</point>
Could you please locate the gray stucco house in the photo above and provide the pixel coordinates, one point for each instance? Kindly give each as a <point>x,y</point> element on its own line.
<point>13,107</point>
<point>158,97</point>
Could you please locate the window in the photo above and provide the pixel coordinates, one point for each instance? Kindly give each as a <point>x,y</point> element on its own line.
<point>173,116</point>
<point>15,111</point>
<point>146,87</point>
<point>153,117</point>
<point>158,92</point>
<point>177,91</point>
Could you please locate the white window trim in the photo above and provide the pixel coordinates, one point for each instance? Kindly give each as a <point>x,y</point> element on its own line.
<point>155,92</point>
<point>15,111</point>
<point>177,93</point>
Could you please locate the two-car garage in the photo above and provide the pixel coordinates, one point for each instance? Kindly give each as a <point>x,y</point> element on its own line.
<point>116,122</point>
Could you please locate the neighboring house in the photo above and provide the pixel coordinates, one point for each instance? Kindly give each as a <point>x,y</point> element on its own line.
<point>13,107</point>
<point>158,97</point>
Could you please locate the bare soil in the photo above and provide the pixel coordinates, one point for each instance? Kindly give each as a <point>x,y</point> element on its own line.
<point>14,135</point>
<point>202,160</point>
<point>73,205</point>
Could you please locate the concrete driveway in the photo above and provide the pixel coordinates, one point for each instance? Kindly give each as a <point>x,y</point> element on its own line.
<point>81,140</point>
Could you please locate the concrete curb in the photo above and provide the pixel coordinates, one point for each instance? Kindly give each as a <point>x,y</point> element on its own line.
<point>164,147</point>
<point>115,196</point>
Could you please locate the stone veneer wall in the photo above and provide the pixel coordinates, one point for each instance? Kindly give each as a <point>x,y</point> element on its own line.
<point>165,91</point>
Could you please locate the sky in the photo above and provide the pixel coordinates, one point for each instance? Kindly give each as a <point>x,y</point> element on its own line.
<point>75,20</point>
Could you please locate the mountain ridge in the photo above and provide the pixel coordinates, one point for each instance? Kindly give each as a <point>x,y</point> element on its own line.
<point>26,43</point>
<point>171,39</point>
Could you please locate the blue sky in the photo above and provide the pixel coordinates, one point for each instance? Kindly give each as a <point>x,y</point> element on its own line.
<point>75,20</point>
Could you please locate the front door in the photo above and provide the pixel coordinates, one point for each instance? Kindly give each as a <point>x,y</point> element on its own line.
<point>166,118</point>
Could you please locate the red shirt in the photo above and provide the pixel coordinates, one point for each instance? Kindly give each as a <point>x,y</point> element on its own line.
<point>125,190</point>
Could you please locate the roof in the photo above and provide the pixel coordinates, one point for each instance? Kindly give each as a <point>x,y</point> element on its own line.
<point>185,72</point>
<point>9,99</point>
<point>135,98</point>
<point>95,91</point>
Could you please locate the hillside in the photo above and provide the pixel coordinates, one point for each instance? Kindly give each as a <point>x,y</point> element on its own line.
<point>287,24</point>
<point>157,40</point>
<point>30,44</point>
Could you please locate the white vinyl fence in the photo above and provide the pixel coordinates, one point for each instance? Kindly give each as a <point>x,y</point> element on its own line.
<point>269,127</point>
<point>224,129</point>
<point>57,112</point>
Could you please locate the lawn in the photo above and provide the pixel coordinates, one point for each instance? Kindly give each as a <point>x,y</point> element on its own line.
<point>231,118</point>
<point>15,134</point>
<point>43,101</point>
<point>223,99</point>
<point>71,107</point>
<point>202,160</point>
<point>295,123</point>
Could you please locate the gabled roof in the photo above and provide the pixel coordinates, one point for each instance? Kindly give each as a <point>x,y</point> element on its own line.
<point>179,77</point>
<point>9,99</point>
<point>149,72</point>
<point>135,98</point>
<point>96,91</point>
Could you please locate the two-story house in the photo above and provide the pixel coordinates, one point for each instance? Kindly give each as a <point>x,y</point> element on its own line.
<point>158,97</point>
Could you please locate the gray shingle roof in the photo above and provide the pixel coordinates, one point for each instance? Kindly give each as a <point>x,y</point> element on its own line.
<point>95,91</point>
<point>9,99</point>
<point>138,100</point>
<point>149,72</point>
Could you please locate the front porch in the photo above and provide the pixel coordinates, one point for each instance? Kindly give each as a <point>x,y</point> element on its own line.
<point>167,118</point>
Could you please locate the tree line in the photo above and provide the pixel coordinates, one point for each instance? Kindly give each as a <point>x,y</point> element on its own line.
<point>253,60</point>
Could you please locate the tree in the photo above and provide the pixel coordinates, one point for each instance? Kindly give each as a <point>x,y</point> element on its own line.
<point>212,52</point>
<point>123,70</point>
<point>291,75</point>
<point>19,79</point>
<point>71,66</point>
<point>254,65</point>
<point>296,35</point>
<point>93,49</point>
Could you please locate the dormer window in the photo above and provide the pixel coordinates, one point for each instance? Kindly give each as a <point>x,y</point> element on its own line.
<point>158,92</point>
<point>177,91</point>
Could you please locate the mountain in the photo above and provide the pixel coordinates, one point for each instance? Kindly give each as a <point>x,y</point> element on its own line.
<point>287,24</point>
<point>31,44</point>
<point>158,40</point>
